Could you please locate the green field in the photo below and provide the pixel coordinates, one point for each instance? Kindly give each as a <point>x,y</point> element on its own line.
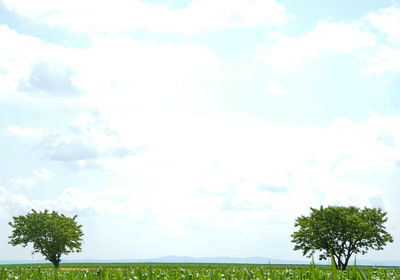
<point>129,271</point>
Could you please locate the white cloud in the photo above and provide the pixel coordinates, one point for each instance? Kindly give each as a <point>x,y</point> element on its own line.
<point>140,85</point>
<point>287,54</point>
<point>91,140</point>
<point>386,57</point>
<point>229,167</point>
<point>123,15</point>
<point>110,200</point>
<point>202,167</point>
<point>274,88</point>
<point>127,68</point>
<point>144,69</point>
<point>27,132</point>
<point>15,61</point>
<point>37,177</point>
<point>43,174</point>
<point>14,204</point>
<point>113,200</point>
<point>385,60</point>
<point>145,94</point>
<point>69,148</point>
<point>44,70</point>
<point>50,78</point>
<point>191,184</point>
<point>135,85</point>
<point>388,21</point>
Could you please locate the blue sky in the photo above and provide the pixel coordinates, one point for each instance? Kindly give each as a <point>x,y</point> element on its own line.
<point>198,128</point>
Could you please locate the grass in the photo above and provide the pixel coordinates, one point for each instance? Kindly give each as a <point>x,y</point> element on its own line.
<point>159,271</point>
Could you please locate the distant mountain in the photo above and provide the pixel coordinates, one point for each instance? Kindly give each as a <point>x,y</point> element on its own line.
<point>172,259</point>
<point>186,259</point>
<point>254,260</point>
<point>248,260</point>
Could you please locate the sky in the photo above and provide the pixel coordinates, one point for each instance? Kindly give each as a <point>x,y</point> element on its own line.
<point>198,128</point>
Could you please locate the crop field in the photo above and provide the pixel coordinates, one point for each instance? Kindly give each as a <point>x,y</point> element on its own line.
<point>194,272</point>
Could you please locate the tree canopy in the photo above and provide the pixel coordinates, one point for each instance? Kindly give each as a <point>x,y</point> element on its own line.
<point>50,233</point>
<point>342,232</point>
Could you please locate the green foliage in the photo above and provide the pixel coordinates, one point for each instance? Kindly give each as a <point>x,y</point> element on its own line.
<point>51,234</point>
<point>342,232</point>
<point>143,271</point>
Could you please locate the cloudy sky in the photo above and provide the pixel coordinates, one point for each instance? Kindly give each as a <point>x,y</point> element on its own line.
<point>198,128</point>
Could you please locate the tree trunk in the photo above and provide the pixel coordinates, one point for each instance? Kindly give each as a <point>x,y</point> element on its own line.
<point>340,264</point>
<point>334,261</point>
<point>56,264</point>
<point>346,261</point>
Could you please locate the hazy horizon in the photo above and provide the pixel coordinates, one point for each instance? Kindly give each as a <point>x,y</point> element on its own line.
<point>198,128</point>
<point>216,260</point>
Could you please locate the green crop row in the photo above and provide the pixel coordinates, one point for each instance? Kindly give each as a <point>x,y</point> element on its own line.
<point>193,272</point>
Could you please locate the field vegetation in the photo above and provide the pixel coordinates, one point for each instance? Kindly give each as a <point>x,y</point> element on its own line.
<point>142,271</point>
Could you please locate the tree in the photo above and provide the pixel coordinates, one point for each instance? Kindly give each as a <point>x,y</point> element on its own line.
<point>342,232</point>
<point>51,234</point>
